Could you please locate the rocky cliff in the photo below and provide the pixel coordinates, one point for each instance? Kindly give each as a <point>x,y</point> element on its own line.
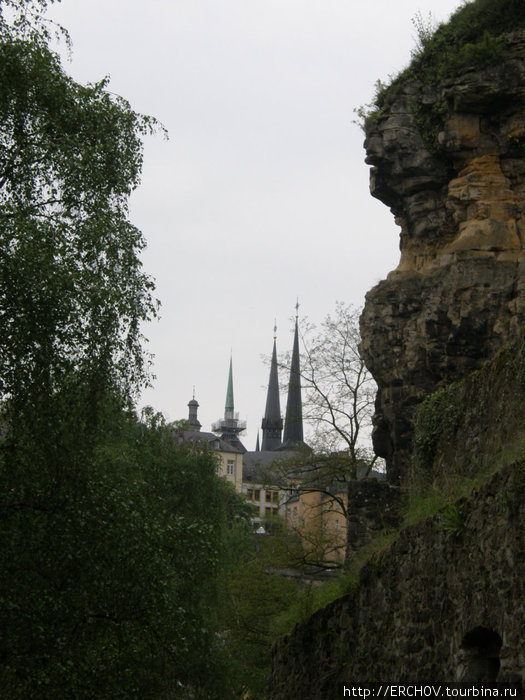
<point>445,602</point>
<point>447,152</point>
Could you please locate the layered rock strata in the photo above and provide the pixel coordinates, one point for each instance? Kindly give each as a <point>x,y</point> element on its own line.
<point>449,160</point>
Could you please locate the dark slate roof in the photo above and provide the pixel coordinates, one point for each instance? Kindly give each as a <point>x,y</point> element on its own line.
<point>209,438</point>
<point>263,467</point>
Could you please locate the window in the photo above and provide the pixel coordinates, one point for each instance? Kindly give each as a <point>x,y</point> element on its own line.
<point>230,466</point>
<point>249,494</point>
<point>275,497</point>
<point>256,494</point>
<point>268,497</point>
<point>275,511</point>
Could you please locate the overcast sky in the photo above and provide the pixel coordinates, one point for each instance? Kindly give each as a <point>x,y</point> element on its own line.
<point>260,195</point>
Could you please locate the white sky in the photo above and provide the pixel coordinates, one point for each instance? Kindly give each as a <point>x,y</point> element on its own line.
<point>261,194</point>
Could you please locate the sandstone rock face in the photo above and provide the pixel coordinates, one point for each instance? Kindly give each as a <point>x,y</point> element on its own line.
<point>458,194</point>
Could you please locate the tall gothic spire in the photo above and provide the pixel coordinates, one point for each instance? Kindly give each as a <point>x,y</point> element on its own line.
<point>272,423</point>
<point>293,426</point>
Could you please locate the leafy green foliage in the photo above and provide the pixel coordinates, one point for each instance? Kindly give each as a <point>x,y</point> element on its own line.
<point>72,292</point>
<point>453,520</point>
<point>254,596</point>
<point>109,562</point>
<point>437,420</point>
<point>111,534</point>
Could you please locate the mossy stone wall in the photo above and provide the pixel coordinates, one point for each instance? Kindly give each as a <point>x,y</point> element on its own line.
<point>418,602</point>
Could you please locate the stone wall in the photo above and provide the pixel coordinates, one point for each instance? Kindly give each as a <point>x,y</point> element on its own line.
<point>373,507</point>
<point>427,609</point>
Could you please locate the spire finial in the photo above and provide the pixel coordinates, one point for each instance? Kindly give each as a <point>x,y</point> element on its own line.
<point>194,392</point>
<point>274,329</point>
<point>297,308</point>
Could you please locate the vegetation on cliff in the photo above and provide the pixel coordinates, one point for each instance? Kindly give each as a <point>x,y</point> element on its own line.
<point>474,35</point>
<point>469,429</point>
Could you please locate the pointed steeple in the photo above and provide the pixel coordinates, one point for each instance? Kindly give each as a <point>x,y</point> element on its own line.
<point>257,448</point>
<point>229,407</point>
<point>293,426</point>
<point>272,423</point>
<point>230,427</point>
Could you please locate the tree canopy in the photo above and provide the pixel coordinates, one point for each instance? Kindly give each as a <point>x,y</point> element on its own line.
<point>111,533</point>
<point>72,290</point>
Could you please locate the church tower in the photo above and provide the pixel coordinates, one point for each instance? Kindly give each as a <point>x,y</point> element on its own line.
<point>293,426</point>
<point>272,423</point>
<point>230,426</point>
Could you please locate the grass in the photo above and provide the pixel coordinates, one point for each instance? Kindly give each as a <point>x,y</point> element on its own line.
<point>447,499</point>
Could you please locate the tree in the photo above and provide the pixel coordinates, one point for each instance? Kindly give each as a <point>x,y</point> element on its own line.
<point>338,390</point>
<point>109,567</point>
<point>111,534</point>
<point>72,292</point>
<point>338,403</point>
<point>255,594</point>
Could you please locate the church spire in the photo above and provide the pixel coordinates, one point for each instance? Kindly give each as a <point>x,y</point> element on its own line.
<point>230,426</point>
<point>293,427</point>
<point>229,407</point>
<point>272,423</point>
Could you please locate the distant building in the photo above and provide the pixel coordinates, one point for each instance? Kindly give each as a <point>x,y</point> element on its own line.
<point>263,485</point>
<point>229,456</point>
<point>318,516</point>
<point>320,522</point>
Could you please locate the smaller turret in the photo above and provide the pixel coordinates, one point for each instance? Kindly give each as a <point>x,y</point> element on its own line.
<point>193,421</point>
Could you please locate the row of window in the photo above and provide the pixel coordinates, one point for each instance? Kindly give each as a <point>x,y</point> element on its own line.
<point>270,496</point>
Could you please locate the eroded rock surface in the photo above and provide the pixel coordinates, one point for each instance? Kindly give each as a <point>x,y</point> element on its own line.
<point>458,194</point>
